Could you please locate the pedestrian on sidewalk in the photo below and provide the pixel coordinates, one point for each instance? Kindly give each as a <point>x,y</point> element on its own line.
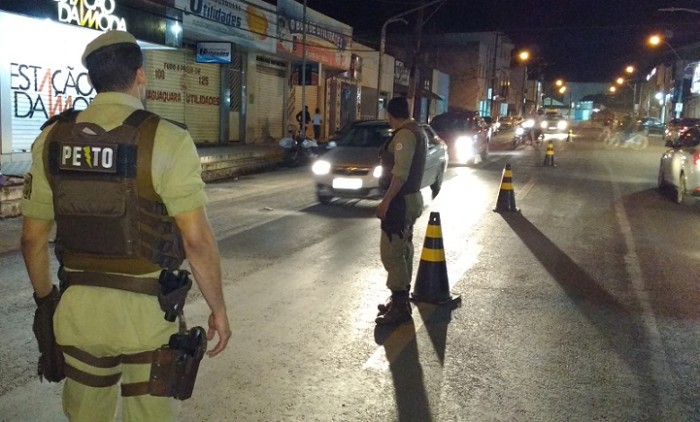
<point>403,164</point>
<point>303,118</point>
<point>108,319</point>
<point>317,120</point>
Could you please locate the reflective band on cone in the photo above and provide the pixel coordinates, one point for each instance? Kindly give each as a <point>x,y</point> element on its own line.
<point>432,285</point>
<point>506,195</point>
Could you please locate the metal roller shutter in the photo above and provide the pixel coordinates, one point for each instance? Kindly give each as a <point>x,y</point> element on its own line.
<point>269,103</point>
<point>184,91</point>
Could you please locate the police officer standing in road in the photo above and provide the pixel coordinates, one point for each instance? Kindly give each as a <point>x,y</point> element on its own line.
<point>403,164</point>
<point>125,190</point>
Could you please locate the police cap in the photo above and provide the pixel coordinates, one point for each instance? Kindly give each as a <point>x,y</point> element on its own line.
<point>107,39</point>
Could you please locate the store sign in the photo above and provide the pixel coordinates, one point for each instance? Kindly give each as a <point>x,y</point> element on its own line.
<point>401,73</point>
<point>214,52</point>
<point>250,22</point>
<point>695,84</point>
<point>327,40</point>
<point>94,14</point>
<point>40,91</point>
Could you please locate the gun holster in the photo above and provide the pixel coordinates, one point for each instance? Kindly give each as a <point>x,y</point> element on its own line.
<point>51,363</point>
<point>175,365</point>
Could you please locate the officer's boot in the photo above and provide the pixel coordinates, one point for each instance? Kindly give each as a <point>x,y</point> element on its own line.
<point>399,309</point>
<point>383,307</point>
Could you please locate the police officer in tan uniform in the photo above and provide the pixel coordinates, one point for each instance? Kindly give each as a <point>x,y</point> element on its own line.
<point>403,164</point>
<point>108,320</point>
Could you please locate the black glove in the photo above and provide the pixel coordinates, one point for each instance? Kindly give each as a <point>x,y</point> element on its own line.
<point>395,220</point>
<point>51,363</point>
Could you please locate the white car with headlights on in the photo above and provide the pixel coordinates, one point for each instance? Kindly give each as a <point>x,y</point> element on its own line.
<point>352,169</point>
<point>554,122</point>
<point>466,134</point>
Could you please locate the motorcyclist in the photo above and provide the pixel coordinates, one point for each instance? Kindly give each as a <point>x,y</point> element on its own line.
<point>536,130</point>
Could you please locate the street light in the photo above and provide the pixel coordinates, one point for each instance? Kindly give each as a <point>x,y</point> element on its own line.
<point>382,43</point>
<point>620,81</point>
<point>656,40</point>
<point>524,56</point>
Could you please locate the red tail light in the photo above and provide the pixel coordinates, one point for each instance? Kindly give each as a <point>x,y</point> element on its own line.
<point>696,159</point>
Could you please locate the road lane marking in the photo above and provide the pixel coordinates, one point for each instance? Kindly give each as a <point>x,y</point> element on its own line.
<point>633,266</point>
<point>526,189</point>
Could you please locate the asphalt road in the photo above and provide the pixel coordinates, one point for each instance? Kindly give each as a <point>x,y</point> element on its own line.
<point>582,306</point>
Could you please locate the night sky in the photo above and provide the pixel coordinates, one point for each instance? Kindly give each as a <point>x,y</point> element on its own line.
<point>578,40</point>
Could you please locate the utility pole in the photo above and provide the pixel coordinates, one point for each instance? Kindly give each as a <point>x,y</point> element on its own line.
<point>414,68</point>
<point>382,43</point>
<point>303,74</point>
<point>493,75</point>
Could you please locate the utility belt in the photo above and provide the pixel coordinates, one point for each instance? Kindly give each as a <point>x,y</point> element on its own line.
<point>174,366</point>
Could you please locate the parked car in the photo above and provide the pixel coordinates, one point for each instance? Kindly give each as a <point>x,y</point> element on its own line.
<point>679,169</point>
<point>652,125</point>
<point>677,126</point>
<point>506,122</point>
<point>352,169</point>
<point>466,134</point>
<point>554,122</point>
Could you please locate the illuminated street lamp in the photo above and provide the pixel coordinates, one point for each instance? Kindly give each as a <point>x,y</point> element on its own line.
<point>629,69</point>
<point>382,44</point>
<point>524,56</point>
<point>612,89</point>
<point>656,40</point>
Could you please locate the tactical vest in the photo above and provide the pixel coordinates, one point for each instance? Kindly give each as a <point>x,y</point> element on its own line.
<point>415,175</point>
<point>108,216</point>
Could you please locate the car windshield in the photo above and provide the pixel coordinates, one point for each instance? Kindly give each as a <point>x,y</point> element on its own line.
<point>446,123</point>
<point>367,136</point>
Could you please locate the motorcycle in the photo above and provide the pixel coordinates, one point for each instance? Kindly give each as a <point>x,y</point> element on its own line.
<point>298,151</point>
<point>524,133</point>
<point>636,140</point>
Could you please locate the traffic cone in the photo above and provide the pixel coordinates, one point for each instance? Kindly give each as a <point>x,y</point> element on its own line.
<point>549,155</point>
<point>570,136</point>
<point>431,282</point>
<point>506,196</point>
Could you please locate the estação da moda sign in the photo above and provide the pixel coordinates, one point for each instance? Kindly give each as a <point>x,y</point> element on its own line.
<point>95,14</point>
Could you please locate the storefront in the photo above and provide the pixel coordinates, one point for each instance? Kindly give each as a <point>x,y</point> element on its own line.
<point>246,87</point>
<point>40,70</point>
<point>693,106</point>
<point>324,59</point>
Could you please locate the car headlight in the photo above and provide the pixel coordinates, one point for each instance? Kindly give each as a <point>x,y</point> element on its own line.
<point>561,124</point>
<point>321,167</point>
<point>544,125</point>
<point>464,147</point>
<point>378,172</point>
<point>464,140</point>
